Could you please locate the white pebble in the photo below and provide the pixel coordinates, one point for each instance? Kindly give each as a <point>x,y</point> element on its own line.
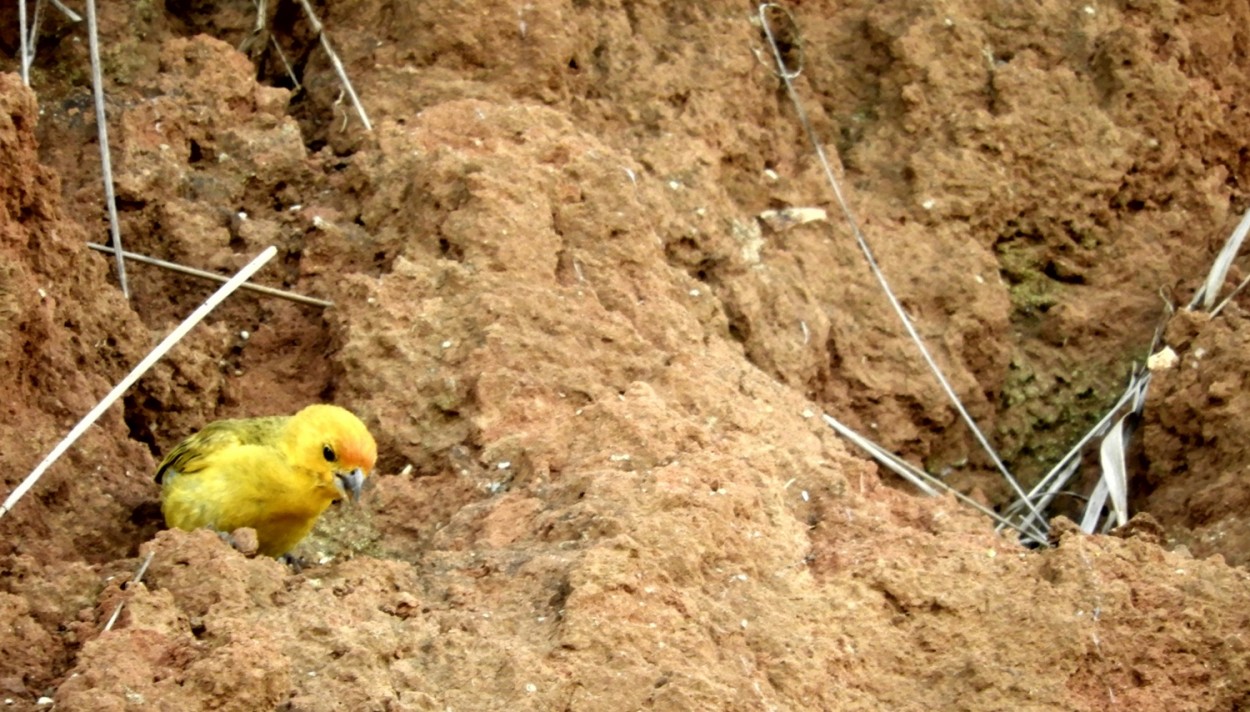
<point>1163,359</point>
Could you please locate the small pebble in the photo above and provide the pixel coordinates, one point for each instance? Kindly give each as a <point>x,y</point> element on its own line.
<point>245,541</point>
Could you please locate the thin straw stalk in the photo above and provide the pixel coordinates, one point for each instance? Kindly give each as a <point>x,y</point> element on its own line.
<point>148,361</point>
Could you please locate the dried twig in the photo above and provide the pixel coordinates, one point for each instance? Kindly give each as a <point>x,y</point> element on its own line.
<point>174,337</point>
<point>1115,471</point>
<point>338,104</point>
<point>32,35</point>
<point>926,482</point>
<point>1207,294</point>
<point>338,65</point>
<point>175,267</point>
<point>1216,311</point>
<point>1059,475</point>
<point>106,165</point>
<point>143,568</point>
<point>249,42</point>
<point>282,56</point>
<point>787,75</point>
<point>262,16</point>
<point>898,465</point>
<point>73,16</point>
<point>23,43</point>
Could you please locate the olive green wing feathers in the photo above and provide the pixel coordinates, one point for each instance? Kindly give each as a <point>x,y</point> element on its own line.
<point>191,455</point>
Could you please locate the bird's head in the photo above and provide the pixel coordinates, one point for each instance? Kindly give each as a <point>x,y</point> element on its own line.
<point>333,444</point>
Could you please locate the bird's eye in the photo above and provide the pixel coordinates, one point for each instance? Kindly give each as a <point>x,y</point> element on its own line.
<point>328,453</point>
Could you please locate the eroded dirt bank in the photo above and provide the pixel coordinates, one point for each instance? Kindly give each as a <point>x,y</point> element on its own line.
<point>595,377</point>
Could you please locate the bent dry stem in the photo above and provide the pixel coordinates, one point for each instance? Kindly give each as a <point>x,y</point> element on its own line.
<point>183,269</point>
<point>787,76</point>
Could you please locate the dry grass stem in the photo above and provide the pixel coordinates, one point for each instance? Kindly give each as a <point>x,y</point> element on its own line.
<point>175,267</point>
<point>1057,478</point>
<point>285,63</point>
<point>1216,311</point>
<point>1207,294</point>
<point>338,65</point>
<point>73,16</point>
<point>787,77</point>
<point>120,389</point>
<point>106,165</point>
<point>23,43</point>
<point>926,482</point>
<point>143,568</point>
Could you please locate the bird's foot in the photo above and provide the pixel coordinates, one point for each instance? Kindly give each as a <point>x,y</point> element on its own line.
<point>297,563</point>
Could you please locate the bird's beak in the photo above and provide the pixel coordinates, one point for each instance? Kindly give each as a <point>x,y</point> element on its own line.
<point>349,484</point>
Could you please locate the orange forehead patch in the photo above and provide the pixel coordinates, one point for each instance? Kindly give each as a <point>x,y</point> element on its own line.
<point>359,452</point>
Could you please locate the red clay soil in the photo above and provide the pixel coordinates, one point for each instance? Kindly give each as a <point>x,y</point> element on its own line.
<point>595,376</point>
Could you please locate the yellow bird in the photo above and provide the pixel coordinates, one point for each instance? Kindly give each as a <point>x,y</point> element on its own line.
<point>275,475</point>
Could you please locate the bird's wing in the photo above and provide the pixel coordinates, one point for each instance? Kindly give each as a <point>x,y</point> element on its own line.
<point>191,455</point>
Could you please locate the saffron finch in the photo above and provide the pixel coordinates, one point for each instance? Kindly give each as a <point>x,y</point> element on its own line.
<point>275,475</point>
